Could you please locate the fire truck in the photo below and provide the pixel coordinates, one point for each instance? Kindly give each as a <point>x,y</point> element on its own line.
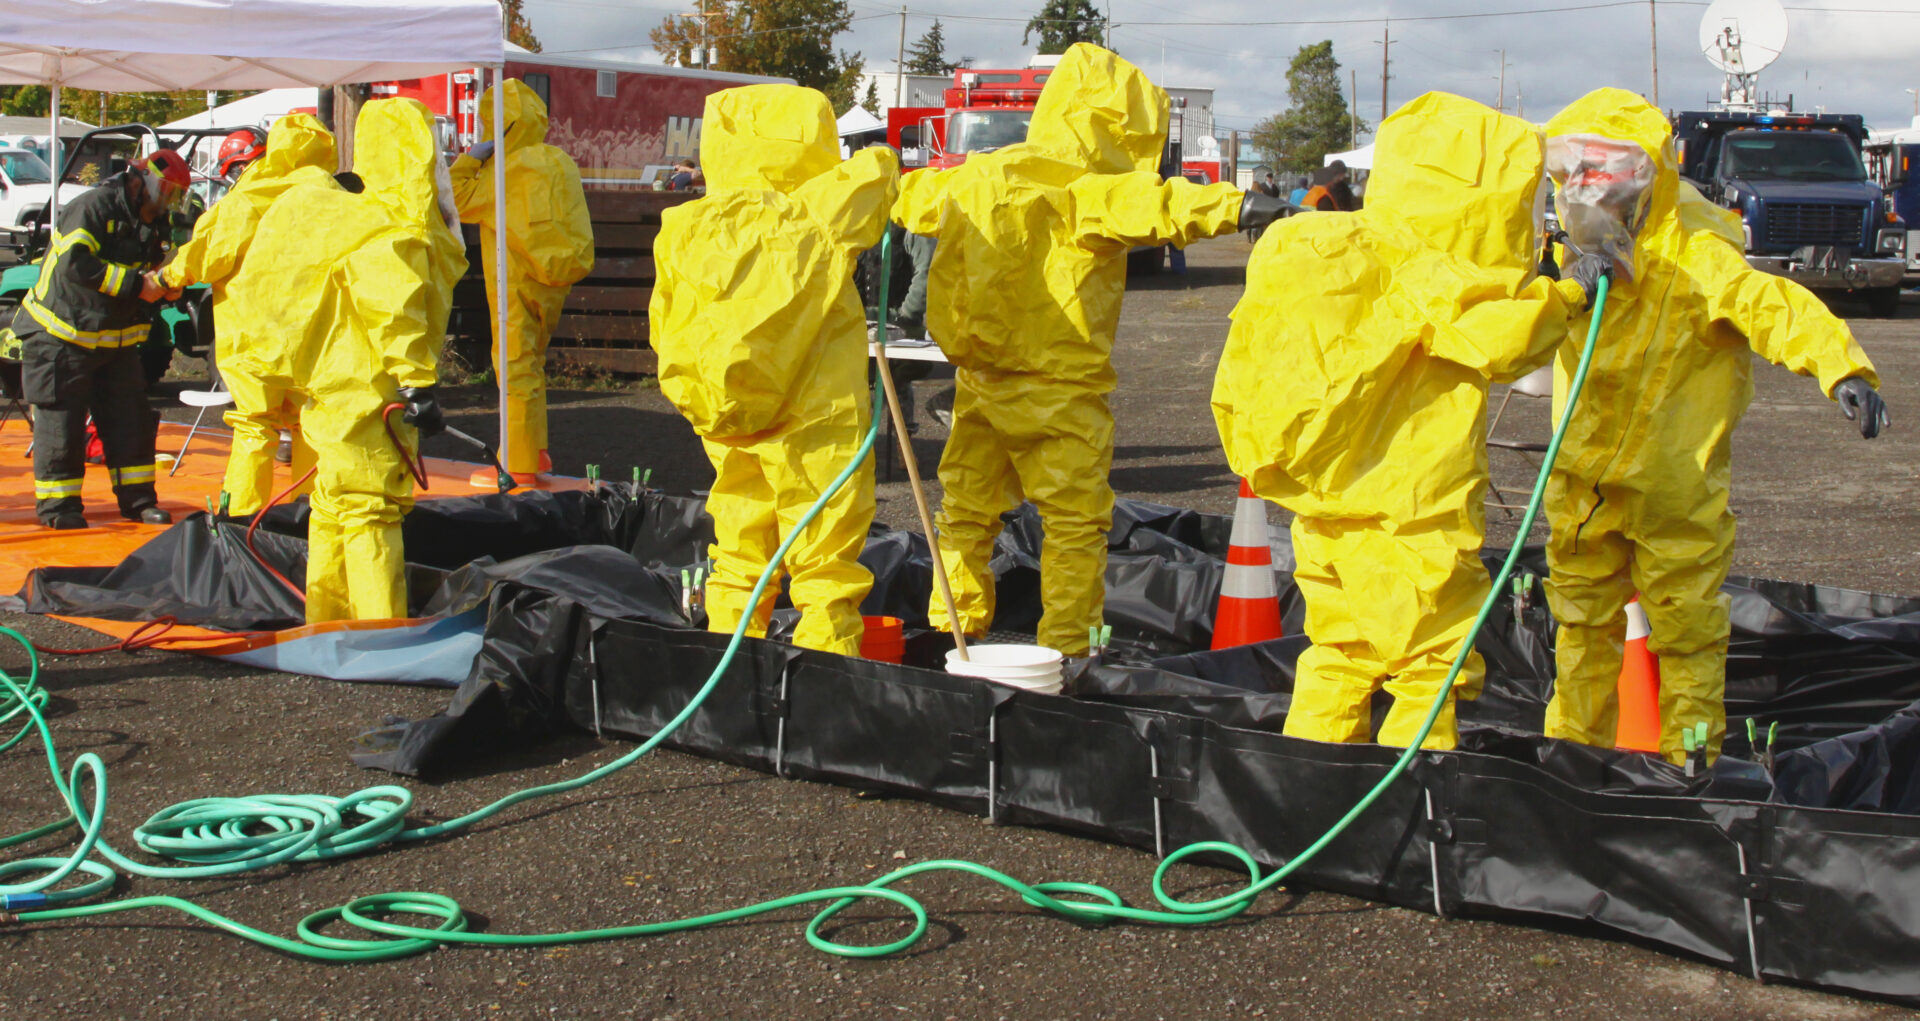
<point>986,109</point>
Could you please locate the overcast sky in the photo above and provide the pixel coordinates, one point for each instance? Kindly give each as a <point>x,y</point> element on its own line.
<point>1848,56</point>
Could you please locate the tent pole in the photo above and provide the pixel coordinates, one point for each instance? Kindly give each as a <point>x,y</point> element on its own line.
<point>500,295</point>
<point>53,148</point>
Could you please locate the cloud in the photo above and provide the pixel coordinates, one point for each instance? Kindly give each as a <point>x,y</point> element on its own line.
<point>1842,61</point>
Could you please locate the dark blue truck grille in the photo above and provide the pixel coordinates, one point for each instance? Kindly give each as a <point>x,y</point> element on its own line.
<point>1813,223</point>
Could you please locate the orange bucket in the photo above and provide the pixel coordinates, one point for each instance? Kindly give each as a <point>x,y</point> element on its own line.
<point>883,641</point>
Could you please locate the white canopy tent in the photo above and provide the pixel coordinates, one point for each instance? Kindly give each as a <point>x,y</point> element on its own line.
<point>259,109</point>
<point>1358,159</point>
<point>857,120</point>
<point>162,45</point>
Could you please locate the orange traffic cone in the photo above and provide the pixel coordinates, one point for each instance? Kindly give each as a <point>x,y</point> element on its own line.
<point>1249,608</point>
<point>1639,688</point>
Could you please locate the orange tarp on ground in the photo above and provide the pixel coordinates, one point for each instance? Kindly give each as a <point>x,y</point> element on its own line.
<point>25,544</point>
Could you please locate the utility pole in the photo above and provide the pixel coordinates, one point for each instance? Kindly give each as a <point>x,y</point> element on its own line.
<point>1386,41</point>
<point>1653,49</point>
<point>900,59</point>
<point>1353,109</point>
<point>1502,105</point>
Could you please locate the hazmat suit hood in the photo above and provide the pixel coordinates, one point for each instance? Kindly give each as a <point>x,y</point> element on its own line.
<point>1096,109</point>
<point>1463,177</point>
<point>767,138</point>
<point>295,141</point>
<point>398,158</point>
<point>525,115</point>
<point>1623,116</point>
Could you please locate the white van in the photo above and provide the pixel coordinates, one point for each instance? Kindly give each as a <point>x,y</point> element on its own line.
<point>26,185</point>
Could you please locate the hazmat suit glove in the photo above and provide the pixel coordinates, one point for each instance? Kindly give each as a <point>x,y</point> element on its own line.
<point>423,410</point>
<point>1862,405</point>
<point>1258,210</point>
<point>482,151</point>
<point>1587,271</point>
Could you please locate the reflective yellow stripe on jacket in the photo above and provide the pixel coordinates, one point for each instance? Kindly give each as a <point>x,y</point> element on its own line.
<point>127,337</point>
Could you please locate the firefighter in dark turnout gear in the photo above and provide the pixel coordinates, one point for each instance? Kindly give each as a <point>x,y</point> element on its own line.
<point>81,328</point>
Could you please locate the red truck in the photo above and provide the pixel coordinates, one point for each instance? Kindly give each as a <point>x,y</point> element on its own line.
<point>624,124</point>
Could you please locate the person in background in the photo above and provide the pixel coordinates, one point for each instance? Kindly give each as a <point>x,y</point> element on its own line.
<point>1024,296</point>
<point>685,172</point>
<point>80,330</point>
<point>1330,192</point>
<point>549,249</point>
<point>1298,196</point>
<point>238,151</point>
<point>762,343</point>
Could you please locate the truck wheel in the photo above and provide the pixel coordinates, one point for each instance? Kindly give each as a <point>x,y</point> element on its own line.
<point>1884,302</point>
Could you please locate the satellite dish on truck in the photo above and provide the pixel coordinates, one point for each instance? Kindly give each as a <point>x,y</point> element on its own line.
<point>1740,37</point>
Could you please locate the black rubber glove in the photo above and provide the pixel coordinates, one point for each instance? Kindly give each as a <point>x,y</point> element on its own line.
<point>1862,405</point>
<point>482,151</point>
<point>423,410</point>
<point>1587,271</point>
<point>1257,210</point>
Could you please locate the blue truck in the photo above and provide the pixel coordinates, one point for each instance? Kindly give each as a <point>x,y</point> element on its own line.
<point>1808,208</point>
<point>1892,157</point>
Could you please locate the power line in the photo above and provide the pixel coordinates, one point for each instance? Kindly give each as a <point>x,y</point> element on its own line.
<point>734,35</point>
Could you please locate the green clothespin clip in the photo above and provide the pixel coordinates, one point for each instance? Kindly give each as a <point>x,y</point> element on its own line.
<point>593,473</point>
<point>1772,729</point>
<point>646,477</point>
<point>636,477</point>
<point>686,579</point>
<point>1753,738</point>
<point>1093,637</point>
<point>226,503</point>
<point>1686,740</point>
<point>1106,635</point>
<point>1700,735</point>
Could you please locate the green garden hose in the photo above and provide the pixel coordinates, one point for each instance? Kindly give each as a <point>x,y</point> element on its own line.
<point>225,836</point>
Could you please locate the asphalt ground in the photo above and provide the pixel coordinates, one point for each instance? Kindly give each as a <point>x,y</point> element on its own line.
<point>678,835</point>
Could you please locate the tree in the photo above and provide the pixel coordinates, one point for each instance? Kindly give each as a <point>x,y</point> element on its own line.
<point>794,39</point>
<point>519,30</point>
<point>1317,121</point>
<point>784,38</point>
<point>928,54</point>
<point>871,103</point>
<point>105,107</point>
<point>1061,23</point>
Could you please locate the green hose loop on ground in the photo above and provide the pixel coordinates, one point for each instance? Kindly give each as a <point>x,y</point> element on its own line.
<point>223,836</point>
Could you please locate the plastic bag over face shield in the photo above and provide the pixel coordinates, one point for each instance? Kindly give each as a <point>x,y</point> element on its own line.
<point>1604,193</point>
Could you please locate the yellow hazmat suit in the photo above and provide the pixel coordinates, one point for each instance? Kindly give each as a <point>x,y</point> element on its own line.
<point>365,283</point>
<point>549,247</point>
<point>763,346</point>
<point>1023,296</point>
<point>299,151</point>
<point>1638,495</point>
<point>1353,392</point>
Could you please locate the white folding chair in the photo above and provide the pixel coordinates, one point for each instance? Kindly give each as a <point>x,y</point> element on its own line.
<point>218,397</point>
